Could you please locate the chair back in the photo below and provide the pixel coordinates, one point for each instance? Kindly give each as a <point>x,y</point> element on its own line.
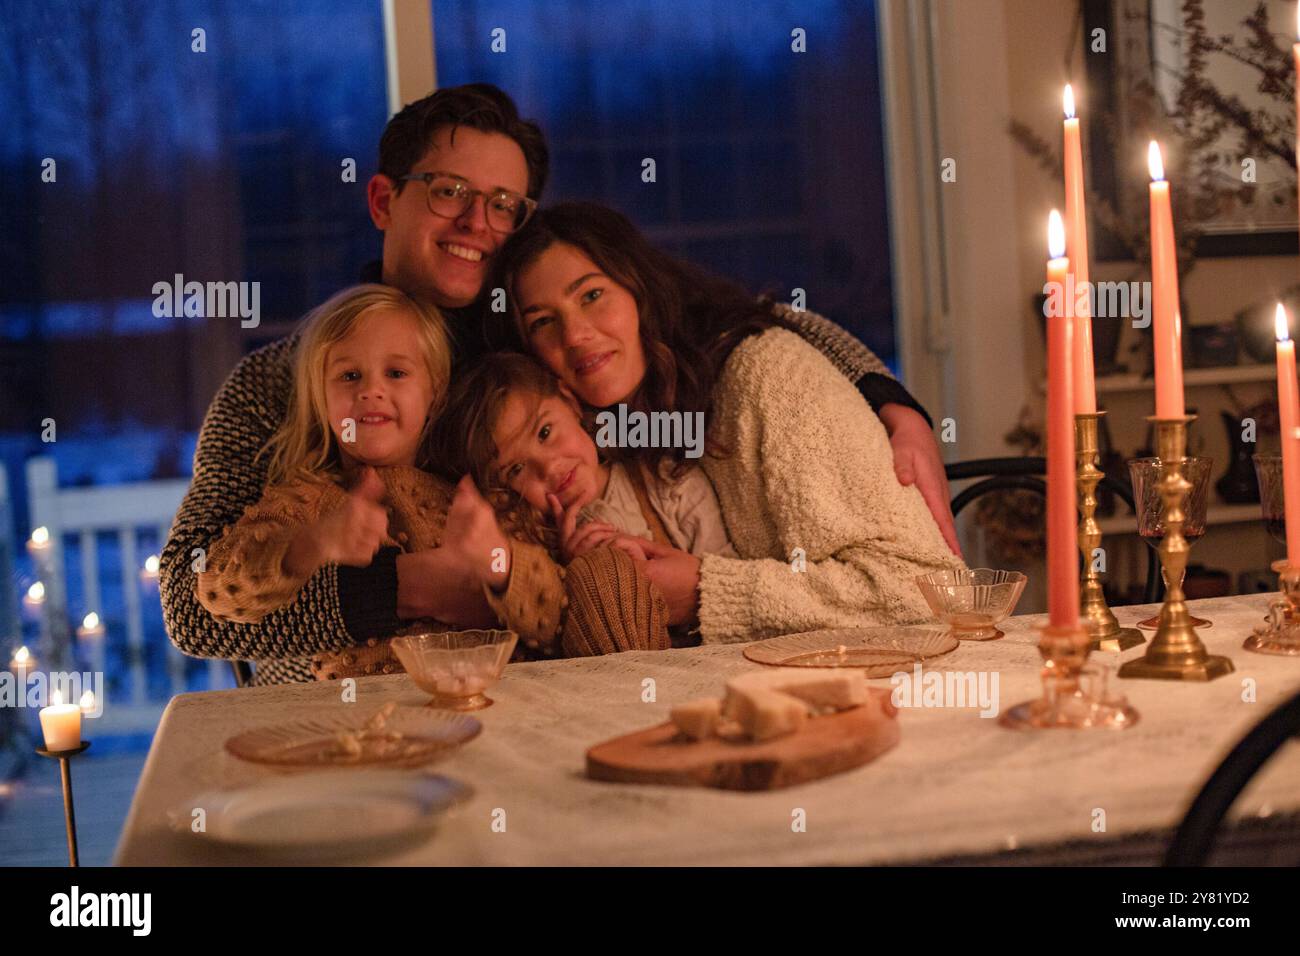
<point>1026,472</point>
<point>1194,838</point>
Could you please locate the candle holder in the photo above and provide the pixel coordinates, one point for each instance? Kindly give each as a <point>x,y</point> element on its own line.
<point>1099,621</point>
<point>64,757</point>
<point>1175,652</point>
<point>1281,635</point>
<point>1074,695</point>
<point>1147,475</point>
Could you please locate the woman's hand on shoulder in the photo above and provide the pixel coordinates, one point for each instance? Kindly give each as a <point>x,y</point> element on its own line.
<point>917,462</point>
<point>677,573</point>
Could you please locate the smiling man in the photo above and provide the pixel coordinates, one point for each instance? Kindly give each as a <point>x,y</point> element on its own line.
<point>439,238</point>
<point>459,171</point>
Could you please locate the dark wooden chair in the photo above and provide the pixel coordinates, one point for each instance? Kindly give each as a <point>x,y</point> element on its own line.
<point>1026,473</point>
<point>1194,838</point>
<point>243,673</point>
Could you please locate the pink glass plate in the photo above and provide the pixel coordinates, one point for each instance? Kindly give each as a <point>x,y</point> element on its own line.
<point>880,651</point>
<point>407,737</point>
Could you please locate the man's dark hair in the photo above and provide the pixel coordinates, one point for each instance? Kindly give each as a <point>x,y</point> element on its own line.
<point>479,106</point>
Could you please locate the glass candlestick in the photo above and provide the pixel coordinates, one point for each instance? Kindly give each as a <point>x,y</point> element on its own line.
<point>1075,694</point>
<point>1281,632</point>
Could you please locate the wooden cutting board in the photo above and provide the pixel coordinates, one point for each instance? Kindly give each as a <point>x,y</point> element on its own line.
<point>824,746</point>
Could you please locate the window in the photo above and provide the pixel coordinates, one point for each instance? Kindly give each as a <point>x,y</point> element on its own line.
<point>207,139</point>
<point>769,164</point>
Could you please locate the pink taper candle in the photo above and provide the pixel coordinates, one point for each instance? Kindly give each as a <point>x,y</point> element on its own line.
<point>1167,328</point>
<point>1076,249</point>
<point>1288,405</point>
<point>1062,531</point>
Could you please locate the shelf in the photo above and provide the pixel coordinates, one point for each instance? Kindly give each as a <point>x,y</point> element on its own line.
<point>1215,515</point>
<point>1192,377</point>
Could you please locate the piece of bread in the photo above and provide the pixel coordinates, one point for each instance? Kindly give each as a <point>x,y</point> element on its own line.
<point>698,719</point>
<point>764,713</point>
<point>824,690</point>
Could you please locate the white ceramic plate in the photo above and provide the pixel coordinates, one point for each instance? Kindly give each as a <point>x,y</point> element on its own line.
<point>322,816</point>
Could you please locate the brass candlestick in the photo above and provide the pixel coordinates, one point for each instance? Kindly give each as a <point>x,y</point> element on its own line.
<point>1281,635</point>
<point>1098,619</point>
<point>1175,652</point>
<point>64,758</point>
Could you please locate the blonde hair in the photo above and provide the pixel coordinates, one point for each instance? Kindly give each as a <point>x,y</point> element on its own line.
<point>304,446</point>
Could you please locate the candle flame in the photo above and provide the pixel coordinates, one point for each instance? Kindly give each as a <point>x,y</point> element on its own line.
<point>22,655</point>
<point>151,564</point>
<point>1280,324</point>
<point>41,536</point>
<point>56,697</point>
<point>1155,162</point>
<point>1055,235</point>
<point>36,593</point>
<point>1068,99</point>
<point>88,700</point>
<point>90,621</point>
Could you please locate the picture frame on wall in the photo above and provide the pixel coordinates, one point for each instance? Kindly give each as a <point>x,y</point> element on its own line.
<point>1136,85</point>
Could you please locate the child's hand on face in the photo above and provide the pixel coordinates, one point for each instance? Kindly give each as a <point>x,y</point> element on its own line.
<point>350,534</point>
<point>575,541</point>
<point>630,546</point>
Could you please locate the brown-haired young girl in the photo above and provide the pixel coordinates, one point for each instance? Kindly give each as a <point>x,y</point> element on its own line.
<point>518,431</point>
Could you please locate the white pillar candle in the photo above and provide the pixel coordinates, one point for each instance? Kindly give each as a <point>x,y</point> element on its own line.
<point>38,545</point>
<point>21,663</point>
<point>34,599</point>
<point>91,627</point>
<point>61,725</point>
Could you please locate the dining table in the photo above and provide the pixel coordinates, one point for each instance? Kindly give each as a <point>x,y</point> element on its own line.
<point>958,787</point>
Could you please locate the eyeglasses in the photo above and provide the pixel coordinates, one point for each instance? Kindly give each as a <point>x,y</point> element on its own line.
<point>450,196</point>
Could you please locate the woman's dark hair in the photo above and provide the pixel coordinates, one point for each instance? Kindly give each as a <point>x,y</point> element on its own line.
<point>461,441</point>
<point>479,106</point>
<point>690,320</point>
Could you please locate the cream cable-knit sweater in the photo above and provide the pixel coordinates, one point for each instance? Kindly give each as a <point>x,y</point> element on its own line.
<point>810,467</point>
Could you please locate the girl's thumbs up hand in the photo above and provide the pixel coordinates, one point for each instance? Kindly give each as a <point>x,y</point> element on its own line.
<point>354,531</point>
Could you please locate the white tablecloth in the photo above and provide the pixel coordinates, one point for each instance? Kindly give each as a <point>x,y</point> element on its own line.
<point>956,783</point>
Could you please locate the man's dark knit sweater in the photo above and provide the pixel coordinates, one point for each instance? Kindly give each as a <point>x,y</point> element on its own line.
<point>339,606</point>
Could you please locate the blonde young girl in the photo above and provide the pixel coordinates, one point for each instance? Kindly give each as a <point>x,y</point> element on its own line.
<point>346,473</point>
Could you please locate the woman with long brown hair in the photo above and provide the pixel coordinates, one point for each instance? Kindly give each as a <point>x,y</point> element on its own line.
<point>827,536</point>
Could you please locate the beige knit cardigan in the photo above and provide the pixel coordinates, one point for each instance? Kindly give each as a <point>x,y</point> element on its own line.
<point>810,467</point>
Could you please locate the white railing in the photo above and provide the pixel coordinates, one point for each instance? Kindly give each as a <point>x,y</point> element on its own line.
<point>122,510</point>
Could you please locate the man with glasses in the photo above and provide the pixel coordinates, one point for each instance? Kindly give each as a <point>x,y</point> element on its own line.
<point>458,172</point>
<point>451,197</point>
